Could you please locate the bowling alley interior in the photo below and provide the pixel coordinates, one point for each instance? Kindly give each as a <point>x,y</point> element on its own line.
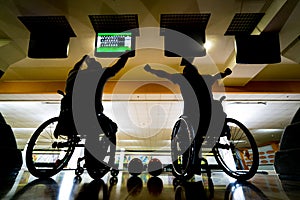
<point>140,99</point>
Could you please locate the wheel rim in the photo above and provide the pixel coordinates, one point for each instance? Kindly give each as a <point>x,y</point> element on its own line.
<point>240,157</point>
<point>46,155</point>
<point>182,148</point>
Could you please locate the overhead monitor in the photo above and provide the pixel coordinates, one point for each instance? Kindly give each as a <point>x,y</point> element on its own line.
<point>114,44</point>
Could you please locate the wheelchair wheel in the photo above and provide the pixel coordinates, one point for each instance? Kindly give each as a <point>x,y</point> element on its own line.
<point>236,151</point>
<point>46,155</point>
<point>96,169</point>
<point>182,149</point>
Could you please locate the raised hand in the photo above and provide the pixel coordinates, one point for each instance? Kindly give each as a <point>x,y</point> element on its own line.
<point>147,68</point>
<point>227,71</point>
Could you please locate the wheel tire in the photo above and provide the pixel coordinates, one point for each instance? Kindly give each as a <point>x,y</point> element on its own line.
<point>37,162</point>
<point>182,168</point>
<point>245,142</point>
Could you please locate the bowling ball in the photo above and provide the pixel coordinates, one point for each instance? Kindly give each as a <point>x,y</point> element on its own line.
<point>135,166</point>
<point>155,167</point>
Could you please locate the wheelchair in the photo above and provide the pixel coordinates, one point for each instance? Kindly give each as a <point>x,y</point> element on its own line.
<point>48,153</point>
<point>235,151</point>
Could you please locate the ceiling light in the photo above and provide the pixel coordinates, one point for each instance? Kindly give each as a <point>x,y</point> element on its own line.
<point>207,45</point>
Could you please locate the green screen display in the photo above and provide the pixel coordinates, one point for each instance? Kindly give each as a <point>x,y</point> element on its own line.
<point>113,42</point>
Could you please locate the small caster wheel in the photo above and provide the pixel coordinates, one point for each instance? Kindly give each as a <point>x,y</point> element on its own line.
<point>79,171</point>
<point>77,179</point>
<point>114,172</point>
<point>113,180</point>
<point>177,182</point>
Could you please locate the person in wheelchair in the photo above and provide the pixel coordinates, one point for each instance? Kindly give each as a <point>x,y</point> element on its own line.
<point>66,124</point>
<point>196,90</point>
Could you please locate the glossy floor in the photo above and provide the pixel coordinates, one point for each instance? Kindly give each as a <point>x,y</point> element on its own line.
<point>66,185</point>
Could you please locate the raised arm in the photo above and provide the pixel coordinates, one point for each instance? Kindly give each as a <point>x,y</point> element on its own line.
<point>78,64</point>
<point>227,72</point>
<point>119,64</point>
<point>159,73</point>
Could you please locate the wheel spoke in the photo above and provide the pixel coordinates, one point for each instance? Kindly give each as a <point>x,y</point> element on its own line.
<point>233,160</point>
<point>43,158</point>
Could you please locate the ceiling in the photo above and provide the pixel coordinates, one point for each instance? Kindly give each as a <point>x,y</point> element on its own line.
<point>262,96</point>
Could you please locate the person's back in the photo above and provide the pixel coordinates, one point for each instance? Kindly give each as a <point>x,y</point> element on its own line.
<point>65,124</point>
<point>96,76</point>
<point>7,138</point>
<point>202,100</point>
<point>72,76</point>
<point>11,156</point>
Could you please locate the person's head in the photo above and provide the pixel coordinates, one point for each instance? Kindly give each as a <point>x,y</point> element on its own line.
<point>93,64</point>
<point>190,69</point>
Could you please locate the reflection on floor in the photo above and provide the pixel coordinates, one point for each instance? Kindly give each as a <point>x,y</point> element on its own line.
<point>66,186</point>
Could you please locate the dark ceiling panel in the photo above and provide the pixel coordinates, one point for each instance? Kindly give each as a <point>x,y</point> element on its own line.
<point>243,23</point>
<point>114,23</point>
<point>48,24</point>
<point>191,25</point>
<point>184,22</point>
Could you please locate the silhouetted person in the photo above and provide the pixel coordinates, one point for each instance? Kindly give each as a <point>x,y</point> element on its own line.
<point>11,157</point>
<point>88,110</point>
<point>104,73</point>
<point>72,76</point>
<point>7,137</point>
<point>65,124</point>
<point>197,96</point>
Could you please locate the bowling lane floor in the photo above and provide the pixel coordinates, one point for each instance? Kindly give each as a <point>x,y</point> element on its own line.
<point>65,185</point>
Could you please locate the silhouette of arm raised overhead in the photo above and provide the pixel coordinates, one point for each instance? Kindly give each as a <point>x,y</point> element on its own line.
<point>162,74</point>
<point>210,79</point>
<point>227,72</point>
<point>119,64</point>
<point>79,63</point>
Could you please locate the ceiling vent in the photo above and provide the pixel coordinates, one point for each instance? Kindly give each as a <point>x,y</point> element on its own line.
<point>243,23</point>
<point>115,23</point>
